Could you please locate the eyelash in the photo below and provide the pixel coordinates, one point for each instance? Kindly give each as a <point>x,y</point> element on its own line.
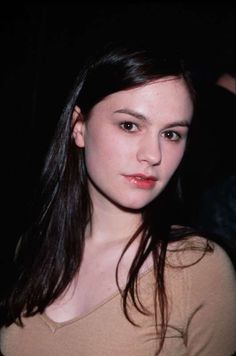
<point>122,125</point>
<point>178,136</point>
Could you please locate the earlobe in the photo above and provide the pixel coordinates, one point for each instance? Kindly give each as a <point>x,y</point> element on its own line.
<point>78,126</point>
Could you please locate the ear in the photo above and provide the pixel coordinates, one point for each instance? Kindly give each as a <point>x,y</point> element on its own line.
<point>78,127</point>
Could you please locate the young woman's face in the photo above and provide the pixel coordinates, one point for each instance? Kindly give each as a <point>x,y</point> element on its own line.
<point>134,140</point>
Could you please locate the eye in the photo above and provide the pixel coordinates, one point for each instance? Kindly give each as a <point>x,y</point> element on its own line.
<point>172,135</point>
<point>129,126</point>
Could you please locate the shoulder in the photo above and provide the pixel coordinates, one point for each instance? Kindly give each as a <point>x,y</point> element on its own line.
<point>205,265</point>
<point>202,261</point>
<point>202,289</point>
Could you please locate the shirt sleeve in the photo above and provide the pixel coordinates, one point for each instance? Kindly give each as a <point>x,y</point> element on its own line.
<point>211,324</point>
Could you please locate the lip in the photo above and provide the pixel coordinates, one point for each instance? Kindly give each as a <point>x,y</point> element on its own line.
<point>141,180</point>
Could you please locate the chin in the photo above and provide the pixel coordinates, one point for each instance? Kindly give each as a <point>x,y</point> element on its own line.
<point>134,205</point>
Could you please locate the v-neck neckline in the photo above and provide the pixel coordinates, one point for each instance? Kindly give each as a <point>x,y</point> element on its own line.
<point>55,325</point>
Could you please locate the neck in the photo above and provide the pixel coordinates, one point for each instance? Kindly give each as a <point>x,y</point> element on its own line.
<point>110,223</point>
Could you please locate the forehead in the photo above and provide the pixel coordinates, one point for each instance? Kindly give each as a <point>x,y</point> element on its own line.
<point>165,97</point>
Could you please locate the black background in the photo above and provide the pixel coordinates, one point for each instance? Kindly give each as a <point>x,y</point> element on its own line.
<point>42,47</point>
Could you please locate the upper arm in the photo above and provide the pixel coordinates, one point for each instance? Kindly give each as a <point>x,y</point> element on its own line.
<point>211,325</point>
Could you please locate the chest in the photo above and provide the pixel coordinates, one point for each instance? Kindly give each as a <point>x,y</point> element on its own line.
<point>94,283</point>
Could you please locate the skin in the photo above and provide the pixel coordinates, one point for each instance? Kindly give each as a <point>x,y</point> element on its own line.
<point>228,82</point>
<point>137,131</point>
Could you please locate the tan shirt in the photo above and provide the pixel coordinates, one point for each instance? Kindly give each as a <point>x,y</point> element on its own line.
<point>202,304</point>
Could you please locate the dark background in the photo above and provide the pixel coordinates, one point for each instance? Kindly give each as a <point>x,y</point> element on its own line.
<point>42,47</point>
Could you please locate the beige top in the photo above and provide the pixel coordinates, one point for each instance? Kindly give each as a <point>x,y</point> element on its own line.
<point>202,304</point>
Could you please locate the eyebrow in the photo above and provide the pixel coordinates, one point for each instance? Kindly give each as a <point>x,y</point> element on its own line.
<point>137,115</point>
<point>132,113</point>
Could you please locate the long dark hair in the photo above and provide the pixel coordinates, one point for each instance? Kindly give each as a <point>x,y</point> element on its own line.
<point>50,252</point>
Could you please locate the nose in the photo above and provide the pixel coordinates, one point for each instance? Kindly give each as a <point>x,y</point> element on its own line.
<point>149,151</point>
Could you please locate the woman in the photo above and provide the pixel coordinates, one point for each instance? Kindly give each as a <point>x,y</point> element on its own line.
<point>106,270</point>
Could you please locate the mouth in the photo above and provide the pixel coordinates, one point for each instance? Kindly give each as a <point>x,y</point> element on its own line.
<point>141,181</point>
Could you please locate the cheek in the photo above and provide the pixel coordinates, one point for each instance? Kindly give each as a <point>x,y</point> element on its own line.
<point>106,145</point>
<point>101,152</point>
<point>174,157</point>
